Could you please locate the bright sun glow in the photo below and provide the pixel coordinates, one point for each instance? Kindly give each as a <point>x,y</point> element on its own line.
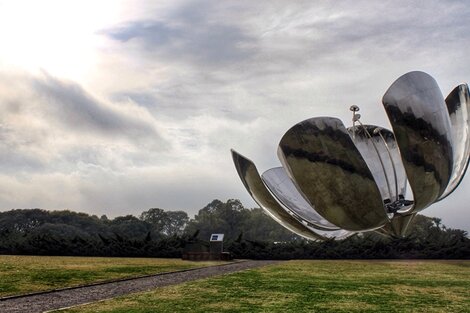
<point>61,37</point>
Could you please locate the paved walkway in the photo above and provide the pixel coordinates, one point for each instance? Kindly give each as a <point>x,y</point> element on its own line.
<point>74,296</point>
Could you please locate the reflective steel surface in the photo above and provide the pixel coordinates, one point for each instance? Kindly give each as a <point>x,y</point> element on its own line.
<point>336,182</point>
<point>322,160</point>
<point>416,109</point>
<point>284,190</point>
<point>398,225</point>
<point>336,234</point>
<point>378,147</point>
<point>458,106</point>
<point>251,179</point>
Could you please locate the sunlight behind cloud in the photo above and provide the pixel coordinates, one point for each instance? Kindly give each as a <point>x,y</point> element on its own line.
<point>56,36</point>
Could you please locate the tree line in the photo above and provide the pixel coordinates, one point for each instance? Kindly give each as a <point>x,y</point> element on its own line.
<point>249,233</point>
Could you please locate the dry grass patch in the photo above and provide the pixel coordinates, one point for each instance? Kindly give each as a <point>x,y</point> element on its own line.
<point>24,274</point>
<point>313,286</point>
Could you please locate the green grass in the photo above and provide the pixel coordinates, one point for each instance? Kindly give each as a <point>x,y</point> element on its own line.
<point>313,286</point>
<point>24,274</point>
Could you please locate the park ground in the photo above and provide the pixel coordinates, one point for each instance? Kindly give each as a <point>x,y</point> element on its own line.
<point>292,286</point>
<point>313,286</point>
<point>26,274</point>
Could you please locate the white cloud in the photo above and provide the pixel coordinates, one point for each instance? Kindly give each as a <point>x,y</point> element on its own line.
<point>170,87</point>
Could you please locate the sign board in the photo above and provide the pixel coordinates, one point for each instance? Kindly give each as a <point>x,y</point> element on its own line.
<point>217,237</point>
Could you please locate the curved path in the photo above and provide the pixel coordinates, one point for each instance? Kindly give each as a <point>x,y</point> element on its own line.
<point>54,300</point>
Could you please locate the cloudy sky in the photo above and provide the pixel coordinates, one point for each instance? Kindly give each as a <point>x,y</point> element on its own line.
<point>113,107</point>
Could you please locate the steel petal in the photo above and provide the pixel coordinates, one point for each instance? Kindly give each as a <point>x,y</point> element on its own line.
<point>458,106</point>
<point>254,185</point>
<point>378,147</point>
<point>418,114</point>
<point>284,190</point>
<point>322,160</point>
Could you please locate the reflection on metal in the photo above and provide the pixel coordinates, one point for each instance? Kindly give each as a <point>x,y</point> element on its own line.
<point>398,225</point>
<point>378,148</point>
<point>356,117</point>
<point>420,121</point>
<point>458,105</point>
<point>325,165</point>
<point>290,199</point>
<point>284,190</point>
<point>255,186</point>
<point>335,182</point>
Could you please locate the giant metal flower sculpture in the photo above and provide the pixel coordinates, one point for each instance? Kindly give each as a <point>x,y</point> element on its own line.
<point>337,181</point>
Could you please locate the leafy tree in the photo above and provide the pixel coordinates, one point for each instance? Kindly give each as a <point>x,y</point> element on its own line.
<point>155,217</point>
<point>168,223</point>
<point>176,222</point>
<point>232,219</point>
<point>219,217</point>
<point>129,226</point>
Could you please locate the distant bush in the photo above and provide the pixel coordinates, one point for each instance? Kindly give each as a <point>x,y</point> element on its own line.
<point>249,233</point>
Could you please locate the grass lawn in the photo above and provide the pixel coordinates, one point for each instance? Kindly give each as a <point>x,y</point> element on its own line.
<point>313,286</point>
<point>23,274</point>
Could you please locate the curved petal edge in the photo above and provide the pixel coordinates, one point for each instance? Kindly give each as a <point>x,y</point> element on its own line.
<point>419,118</point>
<point>327,168</point>
<point>458,106</point>
<point>284,190</point>
<point>254,185</point>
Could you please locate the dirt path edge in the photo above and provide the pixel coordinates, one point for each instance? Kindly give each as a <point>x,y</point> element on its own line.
<point>73,296</point>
